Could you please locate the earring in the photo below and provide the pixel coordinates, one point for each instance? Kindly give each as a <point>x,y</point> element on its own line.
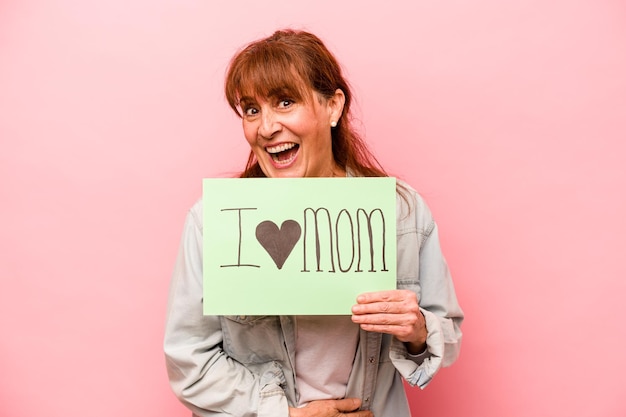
<point>333,124</point>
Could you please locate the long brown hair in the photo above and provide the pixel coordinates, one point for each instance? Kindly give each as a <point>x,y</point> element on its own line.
<point>297,61</point>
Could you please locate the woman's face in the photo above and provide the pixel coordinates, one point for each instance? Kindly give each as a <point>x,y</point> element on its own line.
<point>291,138</point>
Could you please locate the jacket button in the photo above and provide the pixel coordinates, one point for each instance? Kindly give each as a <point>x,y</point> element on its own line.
<point>372,359</point>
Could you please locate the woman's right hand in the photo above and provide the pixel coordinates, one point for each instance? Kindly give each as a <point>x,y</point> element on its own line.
<point>331,408</point>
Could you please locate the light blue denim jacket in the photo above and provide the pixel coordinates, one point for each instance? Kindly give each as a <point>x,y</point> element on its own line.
<point>243,365</point>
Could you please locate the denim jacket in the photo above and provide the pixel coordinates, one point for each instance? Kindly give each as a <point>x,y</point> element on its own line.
<point>243,365</point>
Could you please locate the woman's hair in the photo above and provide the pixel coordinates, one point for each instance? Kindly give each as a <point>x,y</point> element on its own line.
<point>294,62</point>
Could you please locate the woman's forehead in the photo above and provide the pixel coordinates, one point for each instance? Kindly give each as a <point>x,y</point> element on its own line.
<point>252,93</point>
<point>266,80</point>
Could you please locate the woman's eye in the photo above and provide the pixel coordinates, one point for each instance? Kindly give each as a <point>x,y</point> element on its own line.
<point>284,103</point>
<point>250,111</point>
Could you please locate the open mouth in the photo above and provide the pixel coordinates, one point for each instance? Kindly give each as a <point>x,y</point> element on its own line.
<point>284,153</point>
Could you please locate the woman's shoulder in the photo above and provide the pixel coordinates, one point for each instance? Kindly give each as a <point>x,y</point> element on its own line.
<point>195,213</point>
<point>411,208</point>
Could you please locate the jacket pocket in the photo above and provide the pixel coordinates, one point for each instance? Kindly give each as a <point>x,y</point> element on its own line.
<point>247,319</point>
<point>253,339</point>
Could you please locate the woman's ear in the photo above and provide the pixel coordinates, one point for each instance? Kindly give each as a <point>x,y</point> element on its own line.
<point>335,105</point>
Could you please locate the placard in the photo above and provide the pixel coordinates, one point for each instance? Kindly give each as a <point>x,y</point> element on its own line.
<point>295,246</point>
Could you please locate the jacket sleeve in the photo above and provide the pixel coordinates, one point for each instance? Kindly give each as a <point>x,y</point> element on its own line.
<point>202,376</point>
<point>438,303</point>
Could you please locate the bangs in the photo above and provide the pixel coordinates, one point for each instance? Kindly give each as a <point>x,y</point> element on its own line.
<point>266,72</point>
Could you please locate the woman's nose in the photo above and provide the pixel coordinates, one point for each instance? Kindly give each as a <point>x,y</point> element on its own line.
<point>269,125</point>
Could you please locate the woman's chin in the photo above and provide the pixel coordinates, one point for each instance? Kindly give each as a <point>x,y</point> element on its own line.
<point>284,173</point>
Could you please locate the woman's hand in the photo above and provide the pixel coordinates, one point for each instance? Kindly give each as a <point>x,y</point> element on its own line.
<point>395,312</point>
<point>331,408</point>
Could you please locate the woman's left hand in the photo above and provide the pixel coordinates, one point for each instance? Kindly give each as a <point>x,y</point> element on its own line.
<point>395,312</point>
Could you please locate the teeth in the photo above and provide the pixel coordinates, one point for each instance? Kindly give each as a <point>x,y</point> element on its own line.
<point>280,148</point>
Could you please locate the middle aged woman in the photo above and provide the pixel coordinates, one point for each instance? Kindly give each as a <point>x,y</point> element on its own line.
<point>294,104</point>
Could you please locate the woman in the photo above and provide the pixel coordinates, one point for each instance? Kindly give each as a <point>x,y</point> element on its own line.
<point>295,109</point>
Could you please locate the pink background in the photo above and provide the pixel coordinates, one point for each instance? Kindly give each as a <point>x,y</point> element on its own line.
<point>509,117</point>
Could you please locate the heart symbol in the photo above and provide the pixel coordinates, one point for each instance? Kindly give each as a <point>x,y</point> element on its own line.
<point>278,242</point>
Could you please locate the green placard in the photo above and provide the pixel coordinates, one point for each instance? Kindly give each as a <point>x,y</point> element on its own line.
<point>286,246</point>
